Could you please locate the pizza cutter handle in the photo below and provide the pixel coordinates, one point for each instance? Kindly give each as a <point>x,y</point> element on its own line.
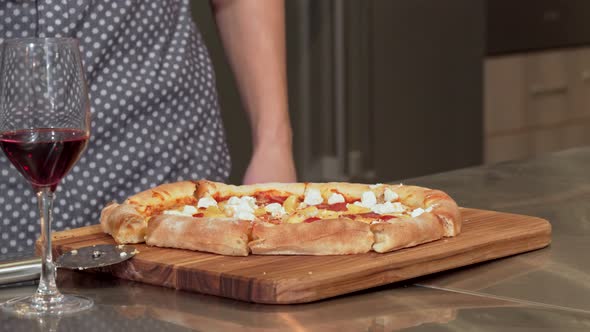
<point>19,271</point>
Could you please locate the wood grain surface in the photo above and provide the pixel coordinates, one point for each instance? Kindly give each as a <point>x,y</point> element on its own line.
<point>486,235</point>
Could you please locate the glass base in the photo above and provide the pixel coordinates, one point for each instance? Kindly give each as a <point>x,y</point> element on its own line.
<point>31,306</point>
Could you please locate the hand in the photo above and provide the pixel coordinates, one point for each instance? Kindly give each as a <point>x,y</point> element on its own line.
<point>273,163</point>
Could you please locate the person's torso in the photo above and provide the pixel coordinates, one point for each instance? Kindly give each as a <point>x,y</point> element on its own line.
<point>155,116</point>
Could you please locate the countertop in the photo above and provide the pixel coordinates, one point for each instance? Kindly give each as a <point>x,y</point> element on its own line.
<point>546,290</point>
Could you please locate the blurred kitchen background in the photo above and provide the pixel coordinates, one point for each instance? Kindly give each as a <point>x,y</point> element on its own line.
<point>382,90</point>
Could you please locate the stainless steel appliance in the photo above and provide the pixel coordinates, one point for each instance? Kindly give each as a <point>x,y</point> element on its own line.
<point>383,90</point>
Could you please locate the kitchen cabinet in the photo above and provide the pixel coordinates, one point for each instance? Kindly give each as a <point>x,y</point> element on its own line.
<point>507,147</point>
<point>536,103</point>
<point>579,76</point>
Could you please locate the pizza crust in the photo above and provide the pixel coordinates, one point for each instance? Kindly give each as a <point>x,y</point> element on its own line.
<point>350,191</point>
<point>443,206</point>
<point>443,220</point>
<point>222,190</point>
<point>323,237</point>
<point>127,222</point>
<point>404,233</point>
<point>123,222</point>
<point>222,236</point>
<point>164,197</point>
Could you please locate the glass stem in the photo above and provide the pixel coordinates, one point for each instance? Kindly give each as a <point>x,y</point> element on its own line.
<point>47,291</point>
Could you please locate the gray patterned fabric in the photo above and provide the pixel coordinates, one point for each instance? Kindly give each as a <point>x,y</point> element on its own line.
<point>155,115</point>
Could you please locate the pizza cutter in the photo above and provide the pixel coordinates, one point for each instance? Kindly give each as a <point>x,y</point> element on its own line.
<point>95,256</point>
<point>78,259</point>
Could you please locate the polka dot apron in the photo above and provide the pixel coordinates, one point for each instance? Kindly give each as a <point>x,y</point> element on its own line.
<point>155,115</point>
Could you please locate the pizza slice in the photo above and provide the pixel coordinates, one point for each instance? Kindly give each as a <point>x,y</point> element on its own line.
<point>223,217</point>
<point>127,222</point>
<point>398,216</point>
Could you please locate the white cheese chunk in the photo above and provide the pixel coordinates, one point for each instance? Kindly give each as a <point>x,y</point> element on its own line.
<point>390,195</point>
<point>206,202</point>
<point>388,207</point>
<point>241,207</point>
<point>244,200</point>
<point>244,215</point>
<point>251,201</point>
<point>173,212</point>
<point>234,200</point>
<point>275,209</point>
<point>187,210</point>
<point>313,197</point>
<point>368,199</point>
<point>417,212</point>
<point>335,198</point>
<point>428,209</point>
<point>376,185</point>
<point>399,207</point>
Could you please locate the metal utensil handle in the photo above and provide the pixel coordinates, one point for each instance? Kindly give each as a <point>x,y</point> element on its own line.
<point>21,270</point>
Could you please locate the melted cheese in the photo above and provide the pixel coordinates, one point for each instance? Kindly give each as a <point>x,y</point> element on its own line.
<point>357,208</point>
<point>328,214</point>
<point>335,198</point>
<point>417,212</point>
<point>384,208</point>
<point>213,211</point>
<point>290,204</point>
<point>187,210</point>
<point>295,219</point>
<point>390,195</point>
<point>206,202</point>
<point>275,209</point>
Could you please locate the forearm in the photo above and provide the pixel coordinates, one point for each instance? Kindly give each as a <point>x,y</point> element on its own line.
<point>253,36</point>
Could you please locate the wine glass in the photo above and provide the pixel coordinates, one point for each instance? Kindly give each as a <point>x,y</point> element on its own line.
<point>44,128</point>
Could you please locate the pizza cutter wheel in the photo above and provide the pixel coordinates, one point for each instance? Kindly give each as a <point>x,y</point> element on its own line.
<point>95,256</point>
<point>24,270</point>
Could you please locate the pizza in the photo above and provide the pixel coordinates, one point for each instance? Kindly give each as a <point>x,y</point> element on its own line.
<point>283,218</point>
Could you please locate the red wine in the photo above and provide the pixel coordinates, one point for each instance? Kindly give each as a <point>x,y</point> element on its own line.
<point>44,156</point>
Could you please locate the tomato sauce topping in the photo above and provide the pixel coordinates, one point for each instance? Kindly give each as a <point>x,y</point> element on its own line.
<point>333,207</point>
<point>198,215</point>
<point>270,196</point>
<point>312,219</point>
<point>262,197</point>
<point>369,215</point>
<point>376,216</point>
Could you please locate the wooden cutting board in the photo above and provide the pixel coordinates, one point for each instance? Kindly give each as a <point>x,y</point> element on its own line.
<point>486,235</point>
